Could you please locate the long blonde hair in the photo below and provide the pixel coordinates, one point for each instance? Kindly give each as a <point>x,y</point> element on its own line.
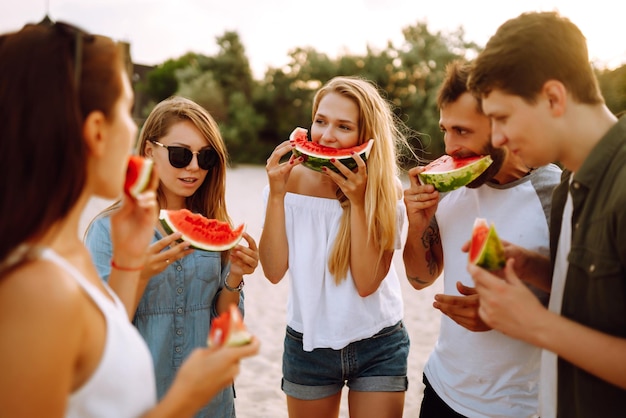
<point>377,121</point>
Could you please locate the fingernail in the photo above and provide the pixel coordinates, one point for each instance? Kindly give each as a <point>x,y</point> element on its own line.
<point>324,169</point>
<point>332,160</point>
<point>291,162</point>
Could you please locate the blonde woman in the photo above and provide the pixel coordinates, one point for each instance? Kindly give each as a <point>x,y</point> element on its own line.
<point>336,234</point>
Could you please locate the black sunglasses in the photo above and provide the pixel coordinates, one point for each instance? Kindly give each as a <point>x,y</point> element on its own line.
<point>180,157</point>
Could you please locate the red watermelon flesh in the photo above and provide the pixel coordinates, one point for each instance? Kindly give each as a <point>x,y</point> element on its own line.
<point>447,163</point>
<point>138,174</point>
<point>447,173</point>
<point>202,233</point>
<point>228,329</point>
<point>317,156</point>
<point>479,235</point>
<point>486,249</point>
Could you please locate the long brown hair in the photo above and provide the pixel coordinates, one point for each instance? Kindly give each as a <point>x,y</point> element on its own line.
<point>52,76</point>
<point>210,198</point>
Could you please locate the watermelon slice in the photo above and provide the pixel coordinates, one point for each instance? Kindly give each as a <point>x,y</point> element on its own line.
<point>447,173</point>
<point>228,329</point>
<point>317,156</point>
<point>486,249</point>
<point>202,233</point>
<point>138,175</point>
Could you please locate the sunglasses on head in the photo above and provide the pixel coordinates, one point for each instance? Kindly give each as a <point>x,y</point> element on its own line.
<point>180,157</point>
<point>79,36</point>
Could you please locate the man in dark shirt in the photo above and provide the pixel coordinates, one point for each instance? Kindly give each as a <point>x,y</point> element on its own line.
<point>539,89</point>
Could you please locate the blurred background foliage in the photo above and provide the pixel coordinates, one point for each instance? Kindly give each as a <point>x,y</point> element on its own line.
<point>257,114</point>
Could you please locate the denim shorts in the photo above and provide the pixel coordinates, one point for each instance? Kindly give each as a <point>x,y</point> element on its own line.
<point>375,364</point>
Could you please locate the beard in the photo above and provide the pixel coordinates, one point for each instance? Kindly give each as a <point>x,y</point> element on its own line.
<point>497,155</point>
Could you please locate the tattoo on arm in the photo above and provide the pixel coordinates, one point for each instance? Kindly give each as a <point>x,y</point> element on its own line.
<point>431,237</point>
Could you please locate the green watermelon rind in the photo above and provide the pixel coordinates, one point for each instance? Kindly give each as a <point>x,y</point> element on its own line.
<point>455,179</point>
<point>491,256</point>
<point>143,178</point>
<point>170,229</point>
<point>316,163</point>
<point>238,338</point>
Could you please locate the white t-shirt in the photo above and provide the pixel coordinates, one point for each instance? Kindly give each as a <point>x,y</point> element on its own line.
<point>487,374</point>
<point>331,315</point>
<point>548,397</point>
<point>123,384</point>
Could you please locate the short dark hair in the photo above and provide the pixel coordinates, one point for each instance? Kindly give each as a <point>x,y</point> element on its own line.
<point>531,49</point>
<point>455,83</point>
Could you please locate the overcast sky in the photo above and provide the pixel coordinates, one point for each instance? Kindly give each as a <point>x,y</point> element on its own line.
<point>161,29</point>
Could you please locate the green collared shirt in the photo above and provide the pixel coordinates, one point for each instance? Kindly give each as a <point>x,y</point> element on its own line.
<point>595,286</point>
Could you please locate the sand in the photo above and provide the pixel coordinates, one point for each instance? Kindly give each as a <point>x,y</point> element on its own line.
<point>258,385</point>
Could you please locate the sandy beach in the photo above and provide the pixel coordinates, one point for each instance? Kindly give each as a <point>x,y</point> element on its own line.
<point>258,385</point>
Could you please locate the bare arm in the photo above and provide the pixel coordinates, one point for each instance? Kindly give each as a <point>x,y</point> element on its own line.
<point>243,260</point>
<point>367,266</point>
<point>132,229</point>
<point>273,246</point>
<point>423,253</point>
<point>368,269</point>
<point>42,326</point>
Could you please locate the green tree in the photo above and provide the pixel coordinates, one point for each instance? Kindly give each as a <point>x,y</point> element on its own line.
<point>416,74</point>
<point>613,86</point>
<point>161,82</point>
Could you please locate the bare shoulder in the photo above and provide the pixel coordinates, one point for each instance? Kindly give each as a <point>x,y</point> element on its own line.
<point>301,180</point>
<point>43,324</point>
<point>295,178</point>
<point>39,293</point>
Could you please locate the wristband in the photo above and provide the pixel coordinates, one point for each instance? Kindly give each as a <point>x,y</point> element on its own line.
<point>122,268</point>
<point>233,289</point>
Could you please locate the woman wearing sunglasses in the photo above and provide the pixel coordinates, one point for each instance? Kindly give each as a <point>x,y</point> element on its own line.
<point>182,288</point>
<point>68,348</point>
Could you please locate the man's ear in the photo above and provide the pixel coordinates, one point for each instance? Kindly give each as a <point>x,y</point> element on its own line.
<point>94,133</point>
<point>556,94</point>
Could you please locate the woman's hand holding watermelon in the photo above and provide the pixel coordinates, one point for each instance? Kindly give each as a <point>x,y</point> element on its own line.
<point>351,183</point>
<point>163,253</point>
<point>132,226</point>
<point>244,260</point>
<point>277,172</point>
<point>132,229</point>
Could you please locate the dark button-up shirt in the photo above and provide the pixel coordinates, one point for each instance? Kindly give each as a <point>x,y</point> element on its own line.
<point>595,285</point>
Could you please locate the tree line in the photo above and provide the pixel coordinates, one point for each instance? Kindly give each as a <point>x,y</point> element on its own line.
<point>255,115</point>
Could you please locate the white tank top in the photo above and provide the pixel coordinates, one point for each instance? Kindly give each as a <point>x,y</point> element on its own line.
<point>123,384</point>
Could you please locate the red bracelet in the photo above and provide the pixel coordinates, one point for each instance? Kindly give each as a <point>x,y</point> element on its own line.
<point>115,266</point>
